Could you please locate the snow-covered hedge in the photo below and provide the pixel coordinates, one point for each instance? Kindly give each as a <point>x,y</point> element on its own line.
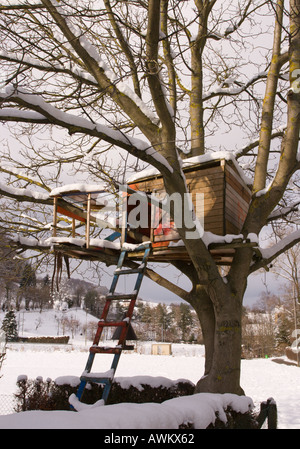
<point>54,395</point>
<point>38,339</point>
<point>176,398</point>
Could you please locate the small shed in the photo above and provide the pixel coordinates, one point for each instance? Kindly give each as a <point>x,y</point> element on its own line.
<point>161,349</point>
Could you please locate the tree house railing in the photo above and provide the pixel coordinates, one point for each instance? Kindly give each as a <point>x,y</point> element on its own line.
<point>87,201</point>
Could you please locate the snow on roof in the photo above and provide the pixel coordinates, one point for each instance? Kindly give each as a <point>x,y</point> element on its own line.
<point>196,160</point>
<point>79,187</point>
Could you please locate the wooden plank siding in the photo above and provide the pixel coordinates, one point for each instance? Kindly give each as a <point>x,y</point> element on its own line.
<point>237,199</point>
<point>226,197</point>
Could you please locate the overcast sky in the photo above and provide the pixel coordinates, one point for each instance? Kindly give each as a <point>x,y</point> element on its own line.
<point>257,284</point>
<point>254,290</point>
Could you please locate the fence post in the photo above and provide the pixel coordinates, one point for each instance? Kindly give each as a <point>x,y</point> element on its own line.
<point>268,410</point>
<point>272,414</point>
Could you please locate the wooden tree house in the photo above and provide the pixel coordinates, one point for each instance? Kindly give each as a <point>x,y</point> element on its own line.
<point>223,209</point>
<point>224,204</point>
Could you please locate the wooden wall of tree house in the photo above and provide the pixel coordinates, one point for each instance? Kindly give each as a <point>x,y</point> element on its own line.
<point>226,198</point>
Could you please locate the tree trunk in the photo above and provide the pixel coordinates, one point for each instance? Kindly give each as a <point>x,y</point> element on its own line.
<point>202,305</point>
<point>224,373</point>
<point>218,303</point>
<point>221,327</point>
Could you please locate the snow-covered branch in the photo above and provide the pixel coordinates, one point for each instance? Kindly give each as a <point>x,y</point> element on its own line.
<point>235,87</point>
<point>23,176</point>
<point>39,111</point>
<point>43,66</point>
<point>27,195</point>
<point>254,144</point>
<point>270,254</point>
<point>121,94</point>
<point>18,115</point>
<point>283,211</point>
<point>153,69</point>
<point>24,195</point>
<point>13,6</point>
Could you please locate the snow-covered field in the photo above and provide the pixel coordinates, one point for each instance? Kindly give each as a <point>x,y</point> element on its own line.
<point>261,379</point>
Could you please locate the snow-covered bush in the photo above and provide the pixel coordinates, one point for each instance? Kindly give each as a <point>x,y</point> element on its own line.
<point>54,395</point>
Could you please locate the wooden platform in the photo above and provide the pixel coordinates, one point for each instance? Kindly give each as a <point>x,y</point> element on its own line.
<point>103,251</point>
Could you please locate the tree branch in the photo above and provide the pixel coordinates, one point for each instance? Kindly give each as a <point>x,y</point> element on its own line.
<point>268,105</point>
<point>26,195</point>
<point>46,113</point>
<point>283,212</point>
<point>153,69</point>
<point>270,254</point>
<point>244,151</point>
<point>24,7</point>
<point>125,47</point>
<point>50,68</point>
<point>168,56</point>
<point>97,68</point>
<point>235,91</point>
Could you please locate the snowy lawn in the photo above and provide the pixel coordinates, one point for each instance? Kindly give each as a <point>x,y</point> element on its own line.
<point>260,378</point>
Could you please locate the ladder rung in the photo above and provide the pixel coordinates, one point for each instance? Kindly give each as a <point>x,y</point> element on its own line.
<point>95,379</point>
<point>105,350</point>
<point>120,296</point>
<point>110,349</point>
<point>141,247</point>
<point>112,323</point>
<point>105,377</point>
<point>128,271</point>
<point>128,347</point>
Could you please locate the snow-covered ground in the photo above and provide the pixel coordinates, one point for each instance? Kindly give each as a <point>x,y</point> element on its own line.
<point>261,379</point>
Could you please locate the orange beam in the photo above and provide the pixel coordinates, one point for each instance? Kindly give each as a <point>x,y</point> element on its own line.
<point>63,211</point>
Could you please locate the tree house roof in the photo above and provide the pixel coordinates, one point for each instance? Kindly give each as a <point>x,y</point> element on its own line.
<point>79,194</point>
<point>194,164</point>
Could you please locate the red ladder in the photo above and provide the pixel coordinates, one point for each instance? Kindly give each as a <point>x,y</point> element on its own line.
<point>122,326</point>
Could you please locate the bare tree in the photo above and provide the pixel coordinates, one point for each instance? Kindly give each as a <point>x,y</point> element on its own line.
<point>158,80</point>
<point>287,267</point>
